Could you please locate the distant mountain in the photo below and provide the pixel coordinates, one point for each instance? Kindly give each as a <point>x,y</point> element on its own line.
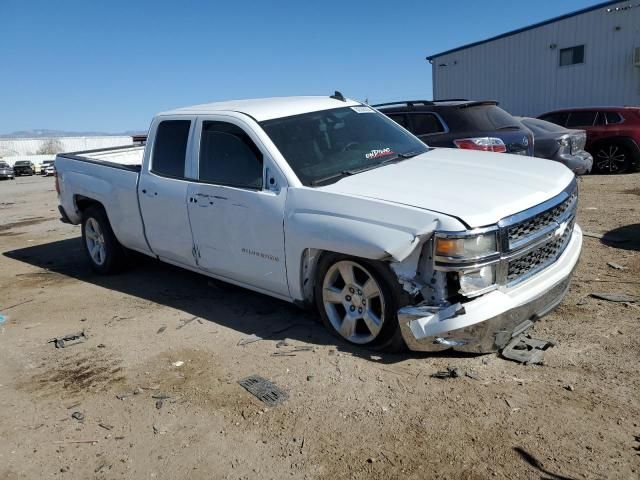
<point>44,133</point>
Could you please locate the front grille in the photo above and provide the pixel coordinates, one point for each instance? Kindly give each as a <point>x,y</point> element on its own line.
<point>526,230</point>
<point>538,259</point>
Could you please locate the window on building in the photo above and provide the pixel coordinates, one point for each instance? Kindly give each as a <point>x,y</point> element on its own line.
<point>426,124</point>
<point>572,55</point>
<point>229,157</point>
<point>170,148</point>
<point>581,119</point>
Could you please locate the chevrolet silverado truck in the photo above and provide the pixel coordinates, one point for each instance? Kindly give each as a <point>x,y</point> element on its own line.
<point>325,201</point>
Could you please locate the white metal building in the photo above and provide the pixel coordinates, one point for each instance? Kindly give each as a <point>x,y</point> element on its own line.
<point>586,58</point>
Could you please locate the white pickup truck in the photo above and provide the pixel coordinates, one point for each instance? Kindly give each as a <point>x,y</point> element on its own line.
<point>325,200</point>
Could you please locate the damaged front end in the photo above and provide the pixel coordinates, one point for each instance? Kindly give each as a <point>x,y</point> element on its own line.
<point>476,290</point>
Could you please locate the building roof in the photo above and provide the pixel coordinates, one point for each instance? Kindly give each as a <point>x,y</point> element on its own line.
<point>524,29</point>
<point>267,108</point>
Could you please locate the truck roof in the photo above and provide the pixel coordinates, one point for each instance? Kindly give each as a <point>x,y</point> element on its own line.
<point>267,108</point>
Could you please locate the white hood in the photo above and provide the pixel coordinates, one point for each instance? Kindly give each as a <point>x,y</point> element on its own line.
<point>480,188</point>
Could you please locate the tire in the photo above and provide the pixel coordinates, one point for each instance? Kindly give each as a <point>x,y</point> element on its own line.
<point>368,299</point>
<point>103,250</point>
<point>611,158</point>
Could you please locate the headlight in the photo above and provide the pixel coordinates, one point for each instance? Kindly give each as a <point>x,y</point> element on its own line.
<point>469,247</point>
<point>474,282</point>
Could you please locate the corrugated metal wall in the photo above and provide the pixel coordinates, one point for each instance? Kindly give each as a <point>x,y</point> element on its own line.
<point>522,71</point>
<point>31,146</point>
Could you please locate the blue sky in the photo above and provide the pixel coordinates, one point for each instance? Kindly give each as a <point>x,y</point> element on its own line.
<point>110,65</point>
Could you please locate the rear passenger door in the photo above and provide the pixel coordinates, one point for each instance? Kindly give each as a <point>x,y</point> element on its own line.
<point>162,191</point>
<point>236,205</point>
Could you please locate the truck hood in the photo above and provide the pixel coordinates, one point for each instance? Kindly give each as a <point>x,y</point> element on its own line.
<point>479,188</point>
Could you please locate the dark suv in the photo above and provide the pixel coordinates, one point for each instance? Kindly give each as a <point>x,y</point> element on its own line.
<point>613,135</point>
<point>24,167</point>
<point>462,124</point>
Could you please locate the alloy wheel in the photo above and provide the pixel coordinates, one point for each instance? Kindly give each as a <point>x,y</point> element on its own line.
<point>611,158</point>
<point>95,241</point>
<point>353,302</point>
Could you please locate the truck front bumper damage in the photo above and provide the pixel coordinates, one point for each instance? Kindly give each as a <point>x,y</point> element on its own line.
<point>488,323</point>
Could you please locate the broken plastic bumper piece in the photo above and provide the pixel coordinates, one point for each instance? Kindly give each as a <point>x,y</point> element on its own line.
<point>490,322</point>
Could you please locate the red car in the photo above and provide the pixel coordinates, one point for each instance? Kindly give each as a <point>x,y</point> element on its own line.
<point>613,135</point>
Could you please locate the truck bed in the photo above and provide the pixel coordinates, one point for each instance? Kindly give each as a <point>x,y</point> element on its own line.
<point>128,157</point>
<point>108,176</point>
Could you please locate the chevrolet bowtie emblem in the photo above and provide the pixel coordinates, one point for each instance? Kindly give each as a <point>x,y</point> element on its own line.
<point>560,230</point>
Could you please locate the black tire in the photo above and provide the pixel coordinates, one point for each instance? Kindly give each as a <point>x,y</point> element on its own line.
<point>114,257</point>
<point>389,338</point>
<point>611,158</point>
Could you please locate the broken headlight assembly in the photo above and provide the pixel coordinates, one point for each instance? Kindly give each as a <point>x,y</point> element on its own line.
<point>472,255</point>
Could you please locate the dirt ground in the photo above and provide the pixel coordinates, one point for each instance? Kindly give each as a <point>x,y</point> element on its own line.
<point>350,413</point>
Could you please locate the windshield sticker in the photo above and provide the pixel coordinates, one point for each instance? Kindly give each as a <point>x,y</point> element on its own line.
<point>379,153</point>
<point>362,109</point>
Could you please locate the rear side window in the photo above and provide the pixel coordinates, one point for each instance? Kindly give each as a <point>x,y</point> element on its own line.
<point>613,117</point>
<point>170,148</point>
<point>557,118</point>
<point>229,157</point>
<point>581,119</point>
<point>426,124</point>
<point>400,119</point>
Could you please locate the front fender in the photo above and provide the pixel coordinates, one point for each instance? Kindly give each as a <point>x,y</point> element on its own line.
<point>358,227</point>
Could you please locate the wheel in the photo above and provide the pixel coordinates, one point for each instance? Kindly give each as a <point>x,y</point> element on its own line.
<point>358,301</point>
<point>611,158</point>
<point>105,253</point>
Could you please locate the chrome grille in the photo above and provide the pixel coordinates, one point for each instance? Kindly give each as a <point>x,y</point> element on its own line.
<point>522,232</point>
<point>539,258</point>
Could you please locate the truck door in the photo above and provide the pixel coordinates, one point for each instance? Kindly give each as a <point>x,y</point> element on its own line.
<point>162,191</point>
<point>237,223</point>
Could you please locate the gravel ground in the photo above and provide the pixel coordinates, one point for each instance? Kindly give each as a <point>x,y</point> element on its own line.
<point>350,414</point>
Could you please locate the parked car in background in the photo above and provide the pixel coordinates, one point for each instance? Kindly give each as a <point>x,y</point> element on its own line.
<point>49,170</point>
<point>613,135</point>
<point>6,171</point>
<point>46,164</point>
<point>24,167</point>
<point>461,124</point>
<point>325,200</point>
<point>557,143</point>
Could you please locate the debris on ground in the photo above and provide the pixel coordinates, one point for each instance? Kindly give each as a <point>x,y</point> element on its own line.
<point>138,391</point>
<point>79,416</point>
<point>292,352</point>
<point>616,266</point>
<point>162,329</point>
<point>582,301</point>
<point>249,339</point>
<point>2,319</point>
<point>606,237</point>
<point>471,374</point>
<point>160,396</point>
<point>179,363</point>
<point>283,343</point>
<point>450,372</point>
<point>616,297</point>
<point>159,430</point>
<point>569,388</point>
<point>527,350</point>
<point>69,339</point>
<point>264,390</point>
<point>159,404</point>
<point>106,426</point>
<point>124,395</point>
<point>186,322</point>
<point>102,345</point>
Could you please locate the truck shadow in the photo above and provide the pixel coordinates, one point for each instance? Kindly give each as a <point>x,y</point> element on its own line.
<point>624,238</point>
<point>234,307</point>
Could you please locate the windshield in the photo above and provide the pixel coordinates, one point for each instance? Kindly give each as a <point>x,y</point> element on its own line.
<point>4,165</point>
<point>323,146</point>
<point>21,163</point>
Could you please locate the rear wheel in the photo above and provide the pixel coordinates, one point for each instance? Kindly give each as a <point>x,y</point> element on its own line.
<point>103,250</point>
<point>611,158</point>
<point>358,301</point>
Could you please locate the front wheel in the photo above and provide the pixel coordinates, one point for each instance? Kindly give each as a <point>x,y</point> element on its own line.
<point>611,158</point>
<point>103,250</point>
<point>358,301</point>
